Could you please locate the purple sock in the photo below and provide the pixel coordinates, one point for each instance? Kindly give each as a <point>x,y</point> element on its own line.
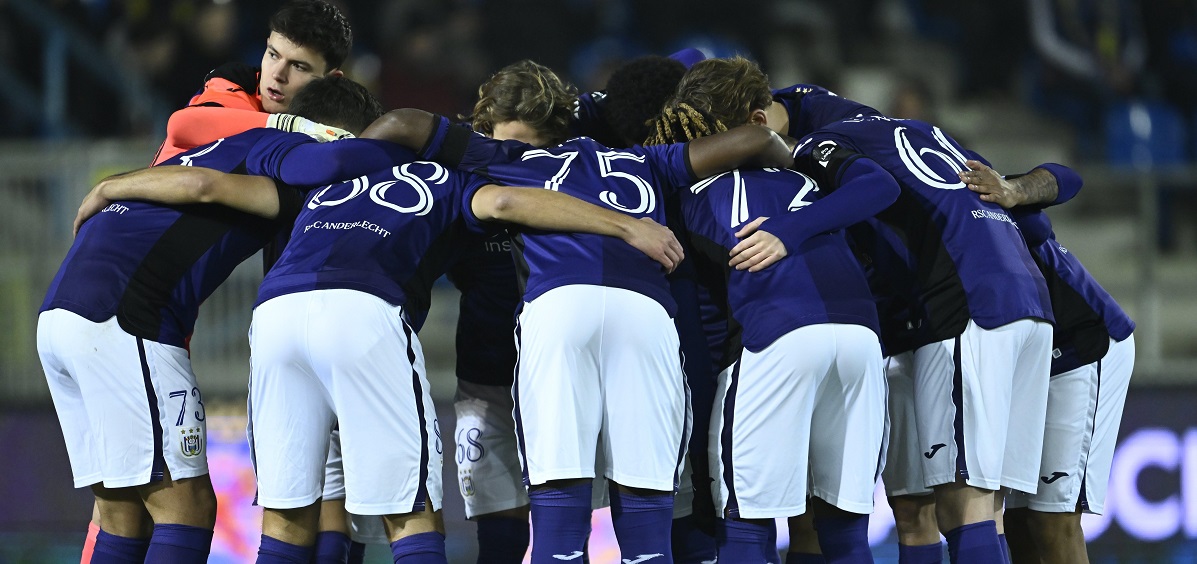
<point>975,543</point>
<point>920,554</point>
<point>422,548</point>
<point>744,542</point>
<point>844,539</point>
<point>332,547</point>
<point>502,540</point>
<point>1005,548</point>
<point>560,522</point>
<point>274,551</point>
<point>642,525</point>
<point>179,543</point>
<point>804,558</point>
<point>357,553</point>
<point>113,549</point>
<point>690,545</point>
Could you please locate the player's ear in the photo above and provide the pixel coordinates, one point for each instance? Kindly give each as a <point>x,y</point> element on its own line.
<point>758,117</point>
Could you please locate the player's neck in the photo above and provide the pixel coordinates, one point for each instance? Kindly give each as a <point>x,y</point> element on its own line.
<point>778,118</point>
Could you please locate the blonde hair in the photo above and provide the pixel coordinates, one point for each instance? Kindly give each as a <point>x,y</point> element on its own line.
<point>680,122</point>
<point>528,92</point>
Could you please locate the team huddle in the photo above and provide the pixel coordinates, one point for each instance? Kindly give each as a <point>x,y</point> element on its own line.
<point>702,301</point>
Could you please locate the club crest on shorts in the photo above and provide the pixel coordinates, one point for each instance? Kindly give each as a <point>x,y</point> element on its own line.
<point>191,443</point>
<point>467,483</point>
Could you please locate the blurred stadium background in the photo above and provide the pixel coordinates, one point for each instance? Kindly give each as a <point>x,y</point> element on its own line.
<point>1106,86</point>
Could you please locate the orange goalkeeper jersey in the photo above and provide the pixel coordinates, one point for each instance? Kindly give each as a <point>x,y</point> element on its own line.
<point>221,109</point>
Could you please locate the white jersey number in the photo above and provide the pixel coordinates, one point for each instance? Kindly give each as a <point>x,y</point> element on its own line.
<point>648,198</point>
<point>915,161</point>
<point>378,192</point>
<point>606,161</point>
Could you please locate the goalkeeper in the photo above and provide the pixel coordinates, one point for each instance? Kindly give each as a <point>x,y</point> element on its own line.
<point>308,39</point>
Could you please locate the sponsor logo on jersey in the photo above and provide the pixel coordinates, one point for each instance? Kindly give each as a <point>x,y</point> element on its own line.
<point>934,449</point>
<point>1055,476</point>
<point>577,554</point>
<point>824,151</point>
<point>191,443</point>
<point>494,246</point>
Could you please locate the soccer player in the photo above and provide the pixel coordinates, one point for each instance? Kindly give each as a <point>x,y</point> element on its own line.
<point>1093,353</point>
<point>806,373</point>
<point>520,103</point>
<point>980,422</point>
<point>620,116</point>
<point>308,39</point>
<point>124,303</point>
<point>532,108</point>
<point>570,383</point>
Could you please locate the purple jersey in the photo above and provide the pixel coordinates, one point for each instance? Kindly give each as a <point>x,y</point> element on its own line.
<point>889,267</point>
<point>390,233</point>
<point>971,261</point>
<point>629,181</point>
<point>1086,316</point>
<point>152,265</point>
<point>820,281</point>
<point>811,107</point>
<point>485,274</point>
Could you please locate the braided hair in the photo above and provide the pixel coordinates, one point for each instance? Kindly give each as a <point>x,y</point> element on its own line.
<point>680,122</point>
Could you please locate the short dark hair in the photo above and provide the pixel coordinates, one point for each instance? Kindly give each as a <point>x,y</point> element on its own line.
<point>316,25</point>
<point>336,101</point>
<point>637,91</point>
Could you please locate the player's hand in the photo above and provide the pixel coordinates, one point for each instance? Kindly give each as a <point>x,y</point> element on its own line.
<point>296,124</point>
<point>238,73</point>
<point>990,185</point>
<point>757,249</point>
<point>92,204</point>
<point>656,241</point>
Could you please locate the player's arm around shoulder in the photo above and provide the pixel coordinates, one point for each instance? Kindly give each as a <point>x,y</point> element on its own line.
<point>746,145</point>
<point>174,185</point>
<point>408,127</point>
<point>1045,185</point>
<point>555,211</point>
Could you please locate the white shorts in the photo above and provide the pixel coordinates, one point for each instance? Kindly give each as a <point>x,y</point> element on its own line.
<point>811,403</point>
<point>488,463</point>
<point>600,368</point>
<point>334,471</point>
<point>903,472</point>
<point>1084,409</point>
<point>346,358</point>
<point>980,403</point>
<point>129,408</point>
<point>368,529</point>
